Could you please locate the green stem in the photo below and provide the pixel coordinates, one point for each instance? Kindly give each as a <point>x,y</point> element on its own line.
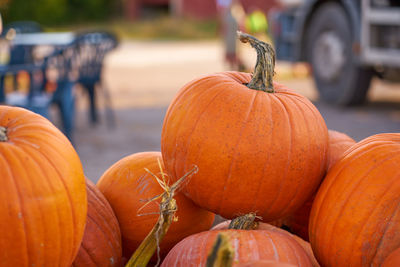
<point>265,65</point>
<point>222,252</point>
<point>3,134</point>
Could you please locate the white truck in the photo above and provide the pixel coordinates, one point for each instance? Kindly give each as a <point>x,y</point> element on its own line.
<point>346,42</point>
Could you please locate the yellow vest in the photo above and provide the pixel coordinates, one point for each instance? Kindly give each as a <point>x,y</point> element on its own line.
<point>256,22</point>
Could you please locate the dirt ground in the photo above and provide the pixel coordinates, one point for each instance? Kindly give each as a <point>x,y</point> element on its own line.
<point>143,77</point>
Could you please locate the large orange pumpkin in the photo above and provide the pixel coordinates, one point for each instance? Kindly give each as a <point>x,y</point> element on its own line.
<point>298,221</point>
<point>101,244</point>
<point>42,194</point>
<point>127,186</point>
<point>248,245</point>
<point>257,150</point>
<point>355,218</point>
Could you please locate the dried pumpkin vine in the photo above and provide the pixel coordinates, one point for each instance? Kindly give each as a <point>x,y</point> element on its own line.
<point>168,207</point>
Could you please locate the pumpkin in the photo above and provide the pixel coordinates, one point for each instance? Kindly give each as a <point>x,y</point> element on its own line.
<point>42,195</point>
<point>258,149</point>
<point>338,144</point>
<point>265,226</point>
<point>266,263</point>
<point>298,221</point>
<point>393,260</point>
<point>127,186</point>
<point>248,245</point>
<point>355,217</point>
<point>101,244</point>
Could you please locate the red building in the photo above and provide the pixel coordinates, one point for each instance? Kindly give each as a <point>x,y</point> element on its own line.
<point>201,9</point>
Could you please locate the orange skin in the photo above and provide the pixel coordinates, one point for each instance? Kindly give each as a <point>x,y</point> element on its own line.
<point>42,195</point>
<point>127,186</point>
<point>253,148</point>
<point>265,226</point>
<point>355,217</point>
<point>247,245</point>
<point>101,244</point>
<point>393,260</point>
<point>338,144</point>
<point>298,222</point>
<point>265,263</point>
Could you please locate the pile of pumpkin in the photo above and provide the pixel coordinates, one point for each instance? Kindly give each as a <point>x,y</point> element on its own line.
<point>232,144</point>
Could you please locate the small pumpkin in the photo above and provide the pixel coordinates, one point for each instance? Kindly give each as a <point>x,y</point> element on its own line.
<point>248,246</point>
<point>259,146</point>
<point>129,184</point>
<point>266,226</point>
<point>355,216</point>
<point>266,263</point>
<point>42,194</point>
<point>101,244</point>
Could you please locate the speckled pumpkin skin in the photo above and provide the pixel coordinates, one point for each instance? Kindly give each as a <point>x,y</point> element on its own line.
<point>247,245</point>
<point>127,185</point>
<point>42,192</point>
<point>256,151</point>
<point>355,218</point>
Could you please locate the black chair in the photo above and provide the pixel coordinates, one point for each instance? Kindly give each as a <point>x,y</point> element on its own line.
<point>78,58</point>
<point>22,61</point>
<point>92,49</point>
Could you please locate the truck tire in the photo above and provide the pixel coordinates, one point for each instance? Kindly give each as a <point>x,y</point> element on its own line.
<point>337,74</point>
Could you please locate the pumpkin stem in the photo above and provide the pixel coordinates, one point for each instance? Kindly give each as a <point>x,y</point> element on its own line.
<point>3,134</point>
<point>245,222</point>
<point>222,252</point>
<point>168,207</point>
<point>264,69</point>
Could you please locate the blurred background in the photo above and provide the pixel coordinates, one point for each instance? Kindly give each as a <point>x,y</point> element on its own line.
<point>105,71</point>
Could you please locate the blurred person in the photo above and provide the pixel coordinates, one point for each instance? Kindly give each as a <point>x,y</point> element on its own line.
<point>4,47</point>
<point>231,15</point>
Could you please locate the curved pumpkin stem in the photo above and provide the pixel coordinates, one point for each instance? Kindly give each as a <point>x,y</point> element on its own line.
<point>245,222</point>
<point>222,253</point>
<point>3,134</point>
<point>265,65</point>
<point>168,207</point>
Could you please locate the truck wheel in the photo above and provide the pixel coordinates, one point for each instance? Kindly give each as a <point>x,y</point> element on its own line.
<point>339,78</point>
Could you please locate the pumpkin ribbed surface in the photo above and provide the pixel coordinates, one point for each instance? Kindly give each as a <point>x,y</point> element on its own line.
<point>266,263</point>
<point>356,213</point>
<point>101,244</point>
<point>42,194</point>
<point>253,148</point>
<point>393,259</point>
<point>128,186</point>
<point>248,245</point>
<point>298,222</point>
<point>265,226</point>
